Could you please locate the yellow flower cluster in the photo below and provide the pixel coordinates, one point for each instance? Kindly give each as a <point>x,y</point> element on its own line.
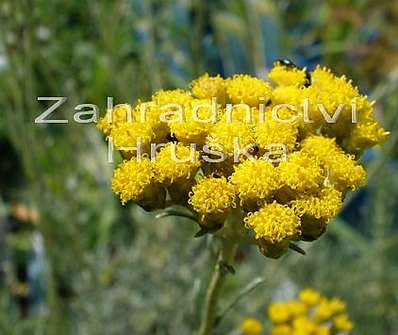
<point>275,155</point>
<point>309,314</point>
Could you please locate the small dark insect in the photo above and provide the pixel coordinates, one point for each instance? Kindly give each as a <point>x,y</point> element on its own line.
<point>171,138</point>
<point>255,149</point>
<point>285,62</point>
<point>226,268</point>
<point>308,79</point>
<point>289,63</point>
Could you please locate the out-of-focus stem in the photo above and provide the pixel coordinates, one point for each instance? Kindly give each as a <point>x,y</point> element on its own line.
<point>197,39</point>
<point>226,254</point>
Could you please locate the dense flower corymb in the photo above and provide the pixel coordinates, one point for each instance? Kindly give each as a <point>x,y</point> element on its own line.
<point>309,314</point>
<point>283,158</point>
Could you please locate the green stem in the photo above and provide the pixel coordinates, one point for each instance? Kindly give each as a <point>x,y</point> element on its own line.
<point>226,254</point>
<point>197,37</point>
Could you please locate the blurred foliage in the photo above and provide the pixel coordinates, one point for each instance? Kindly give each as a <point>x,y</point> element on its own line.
<point>112,270</point>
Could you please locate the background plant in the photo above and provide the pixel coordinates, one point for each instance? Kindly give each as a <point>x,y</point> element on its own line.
<point>113,271</point>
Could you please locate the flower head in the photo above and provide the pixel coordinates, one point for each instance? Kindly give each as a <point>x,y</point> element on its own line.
<point>274,222</point>
<point>324,205</point>
<point>132,179</point>
<point>273,132</point>
<point>251,326</point>
<point>254,180</point>
<point>343,171</point>
<point>117,115</point>
<point>287,75</point>
<point>199,120</point>
<point>227,137</point>
<point>167,97</point>
<point>212,198</point>
<point>131,134</point>
<point>207,87</point>
<point>365,134</point>
<point>175,163</point>
<point>300,172</point>
<point>149,113</point>
<point>242,88</point>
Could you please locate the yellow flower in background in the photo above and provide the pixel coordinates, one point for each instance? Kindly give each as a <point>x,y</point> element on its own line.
<point>297,308</point>
<point>343,323</point>
<point>337,305</point>
<point>310,314</point>
<point>279,312</point>
<point>251,326</point>
<point>322,330</point>
<point>329,307</point>
<point>303,325</point>
<point>309,296</point>
<point>323,311</point>
<point>281,330</point>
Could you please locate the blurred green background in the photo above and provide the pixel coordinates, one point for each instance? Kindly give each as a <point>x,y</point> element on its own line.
<point>74,261</point>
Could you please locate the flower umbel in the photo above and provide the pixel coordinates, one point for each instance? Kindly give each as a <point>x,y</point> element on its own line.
<point>311,314</point>
<point>275,197</point>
